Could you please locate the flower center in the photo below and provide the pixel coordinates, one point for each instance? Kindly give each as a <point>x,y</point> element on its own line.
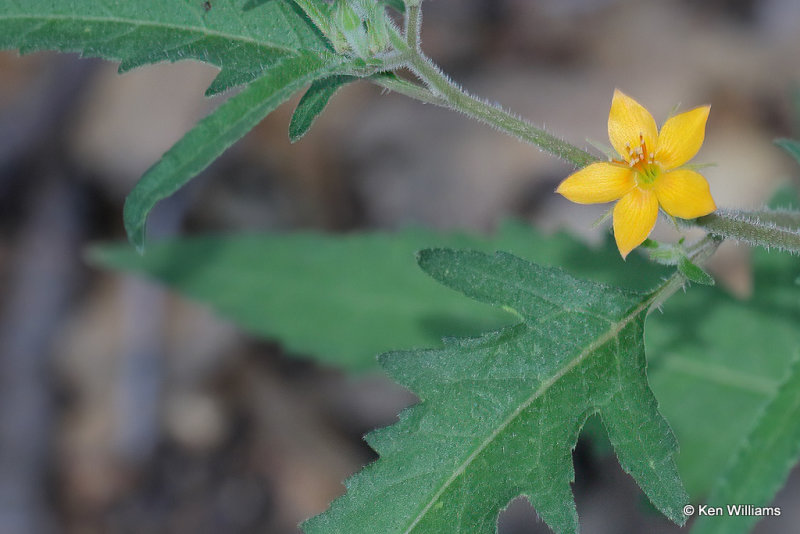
<point>643,162</point>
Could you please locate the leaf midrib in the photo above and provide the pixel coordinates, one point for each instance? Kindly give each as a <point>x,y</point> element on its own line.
<point>612,333</point>
<point>204,31</point>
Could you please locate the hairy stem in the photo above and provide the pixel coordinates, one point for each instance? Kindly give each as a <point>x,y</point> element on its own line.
<point>755,228</point>
<point>407,88</point>
<point>413,23</point>
<point>457,99</point>
<point>447,94</point>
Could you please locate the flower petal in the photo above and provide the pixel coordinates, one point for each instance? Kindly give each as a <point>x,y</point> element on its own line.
<point>684,193</point>
<point>599,182</point>
<point>681,137</point>
<point>628,120</point>
<point>634,217</point>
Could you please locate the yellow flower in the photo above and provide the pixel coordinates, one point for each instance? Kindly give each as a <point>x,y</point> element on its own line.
<point>648,173</point>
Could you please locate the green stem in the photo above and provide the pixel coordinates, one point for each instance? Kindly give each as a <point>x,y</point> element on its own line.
<point>781,217</point>
<point>755,228</point>
<point>459,100</point>
<point>443,92</point>
<point>413,23</point>
<point>407,88</point>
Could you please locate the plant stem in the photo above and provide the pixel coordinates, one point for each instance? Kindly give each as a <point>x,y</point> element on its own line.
<point>413,23</point>
<point>459,100</point>
<point>407,88</point>
<point>444,92</point>
<point>755,228</point>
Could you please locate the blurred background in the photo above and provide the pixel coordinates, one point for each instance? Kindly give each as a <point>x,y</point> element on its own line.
<point>124,408</point>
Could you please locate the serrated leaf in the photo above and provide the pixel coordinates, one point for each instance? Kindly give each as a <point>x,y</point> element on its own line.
<point>761,464</point>
<point>694,273</point>
<point>244,44</point>
<point>271,42</point>
<point>313,102</point>
<point>338,284</point>
<point>500,414</point>
<point>715,360</point>
<point>215,133</point>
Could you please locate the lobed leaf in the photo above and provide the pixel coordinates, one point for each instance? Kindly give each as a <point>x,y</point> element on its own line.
<point>244,41</point>
<point>500,414</point>
<point>715,360</point>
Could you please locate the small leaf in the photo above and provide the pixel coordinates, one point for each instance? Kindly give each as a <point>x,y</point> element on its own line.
<point>500,414</point>
<point>214,134</point>
<point>313,102</point>
<point>397,5</point>
<point>791,146</point>
<point>694,273</point>
<point>761,465</point>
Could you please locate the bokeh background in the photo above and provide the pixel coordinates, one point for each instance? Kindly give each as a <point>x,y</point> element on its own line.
<point>125,408</point>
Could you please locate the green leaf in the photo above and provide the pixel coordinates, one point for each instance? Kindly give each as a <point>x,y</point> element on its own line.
<point>715,361</point>
<point>500,414</point>
<point>313,102</point>
<point>791,146</point>
<point>338,284</point>
<point>761,464</point>
<point>694,273</point>
<point>271,44</point>
<point>244,44</point>
<point>215,133</point>
<point>709,353</point>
